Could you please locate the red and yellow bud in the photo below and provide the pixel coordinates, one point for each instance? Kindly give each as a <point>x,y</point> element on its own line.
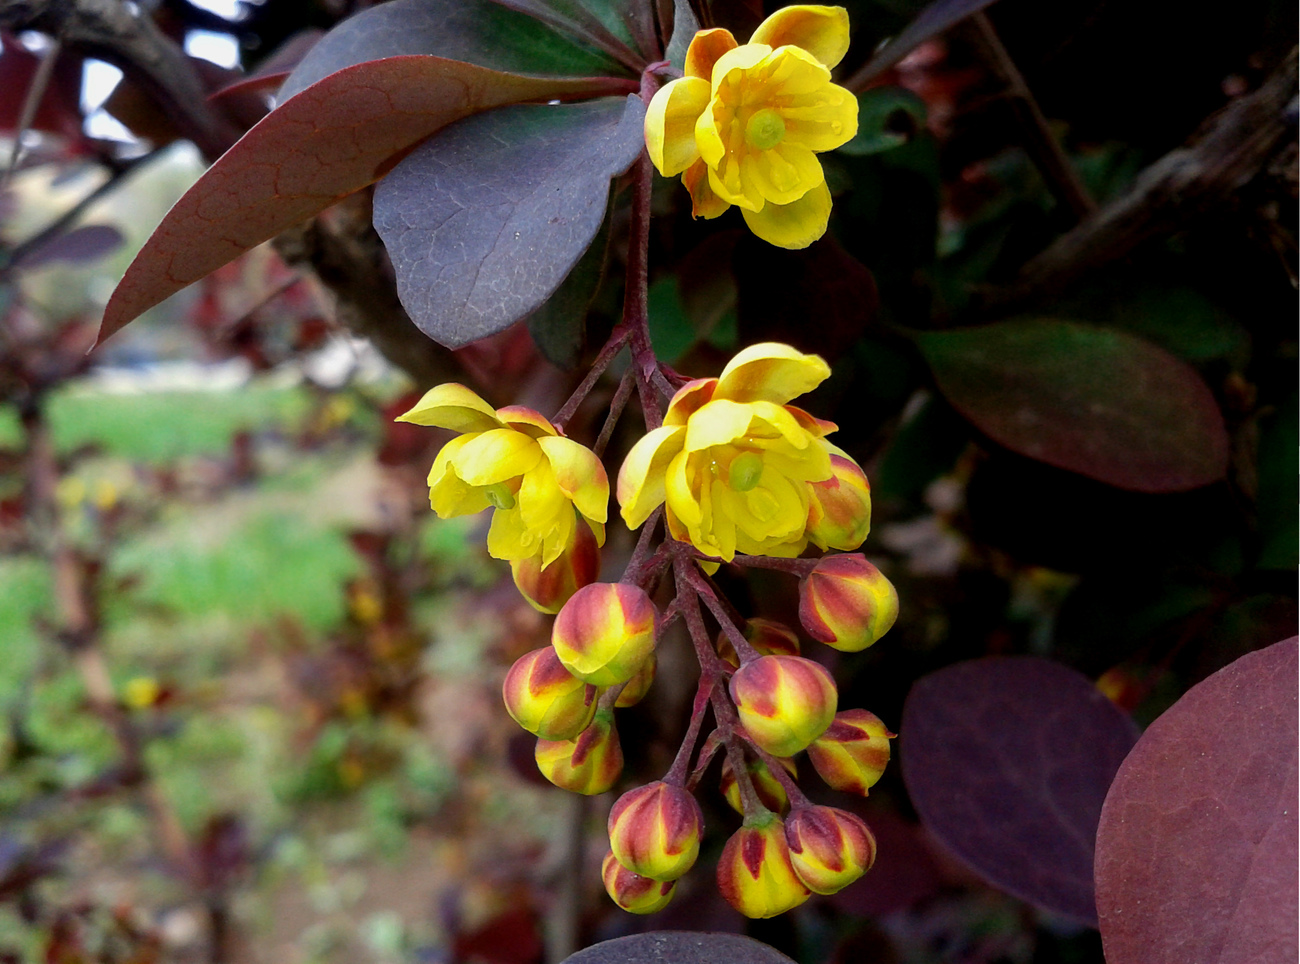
<point>588,764</point>
<point>784,702</point>
<point>637,687</point>
<point>829,848</point>
<point>654,830</point>
<point>545,698</point>
<point>755,874</point>
<point>632,892</point>
<point>846,603</point>
<point>549,588</point>
<point>767,636</point>
<point>839,512</point>
<point>853,752</point>
<point>766,785</point>
<point>605,633</point>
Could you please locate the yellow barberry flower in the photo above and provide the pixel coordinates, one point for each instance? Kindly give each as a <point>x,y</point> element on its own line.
<point>745,123</point>
<point>542,484</point>
<point>733,462</point>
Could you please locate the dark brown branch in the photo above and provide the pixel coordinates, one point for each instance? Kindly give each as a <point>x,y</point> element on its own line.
<point>1234,146</point>
<point>110,30</point>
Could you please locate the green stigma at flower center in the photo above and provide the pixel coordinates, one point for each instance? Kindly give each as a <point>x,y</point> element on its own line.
<point>764,130</point>
<point>500,496</point>
<point>746,469</point>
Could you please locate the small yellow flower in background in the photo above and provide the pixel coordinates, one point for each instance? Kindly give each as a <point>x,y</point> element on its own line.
<point>542,485</point>
<point>744,125</point>
<point>735,464</point>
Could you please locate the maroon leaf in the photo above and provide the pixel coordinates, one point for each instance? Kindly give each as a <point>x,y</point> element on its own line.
<point>1096,401</point>
<point>78,246</point>
<point>679,947</point>
<point>334,138</point>
<point>1007,761</point>
<point>1197,848</point>
<point>484,221</point>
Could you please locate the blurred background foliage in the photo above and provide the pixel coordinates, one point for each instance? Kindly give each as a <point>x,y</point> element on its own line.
<point>249,685</point>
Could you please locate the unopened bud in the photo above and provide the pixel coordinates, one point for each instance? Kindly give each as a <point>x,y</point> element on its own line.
<point>632,892</point>
<point>605,633</point>
<point>770,792</point>
<point>550,588</point>
<point>846,603</point>
<point>588,764</point>
<point>755,874</point>
<point>545,698</point>
<point>638,685</point>
<point>839,512</point>
<point>853,752</point>
<point>654,830</point>
<point>767,636</point>
<point>829,848</point>
<point>784,702</point>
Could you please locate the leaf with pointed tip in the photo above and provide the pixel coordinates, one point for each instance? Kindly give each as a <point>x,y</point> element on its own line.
<point>1008,760</point>
<point>1096,401</point>
<point>334,138</point>
<point>478,32</point>
<point>685,27</point>
<point>929,23</point>
<point>679,947</point>
<point>484,221</point>
<point>1197,847</point>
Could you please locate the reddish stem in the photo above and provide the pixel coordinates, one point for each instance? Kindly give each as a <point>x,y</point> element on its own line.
<point>797,798</point>
<point>617,339</point>
<point>744,650</point>
<point>800,567</point>
<point>676,775</point>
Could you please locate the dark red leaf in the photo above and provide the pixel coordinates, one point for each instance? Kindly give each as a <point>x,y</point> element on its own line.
<point>1008,760</point>
<point>334,138</point>
<point>1096,401</point>
<point>1197,848</point>
<point>679,947</point>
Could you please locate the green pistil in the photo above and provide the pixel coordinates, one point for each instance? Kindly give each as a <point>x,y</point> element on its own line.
<point>746,469</point>
<point>764,130</point>
<point>500,496</point>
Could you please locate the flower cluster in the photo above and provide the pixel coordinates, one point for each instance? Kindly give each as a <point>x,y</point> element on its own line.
<point>745,123</point>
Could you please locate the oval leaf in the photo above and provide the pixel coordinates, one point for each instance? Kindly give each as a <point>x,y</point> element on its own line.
<point>1103,403</point>
<point>1007,761</point>
<point>484,221</point>
<point>679,947</point>
<point>334,138</point>
<point>1197,848</point>
<point>78,246</point>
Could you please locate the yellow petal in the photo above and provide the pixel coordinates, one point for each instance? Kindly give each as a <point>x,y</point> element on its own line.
<point>540,500</point>
<point>670,124</point>
<point>704,202</point>
<point>559,537</point>
<point>727,181</point>
<point>821,121</point>
<point>783,174</point>
<point>822,31</point>
<point>813,425</point>
<point>794,225</point>
<point>452,406</point>
<point>723,522</point>
<point>678,493</point>
<point>689,399</point>
<point>509,539</point>
<point>717,423</point>
<point>705,49</point>
<point>741,58</point>
<point>641,478</point>
<point>449,496</point>
<point>771,372</point>
<point>492,457</point>
<point>579,475</point>
<point>532,423</point>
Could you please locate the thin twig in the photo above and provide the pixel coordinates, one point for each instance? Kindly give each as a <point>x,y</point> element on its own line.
<point>31,104</point>
<point>617,340</point>
<point>624,392</point>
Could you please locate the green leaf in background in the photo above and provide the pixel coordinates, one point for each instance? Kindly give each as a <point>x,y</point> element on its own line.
<point>888,117</point>
<point>1279,514</point>
<point>559,327</point>
<point>1103,403</point>
<point>671,331</point>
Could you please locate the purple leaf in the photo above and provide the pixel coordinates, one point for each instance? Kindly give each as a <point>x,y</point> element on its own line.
<point>1197,848</point>
<point>1008,760</point>
<point>679,947</point>
<point>78,246</point>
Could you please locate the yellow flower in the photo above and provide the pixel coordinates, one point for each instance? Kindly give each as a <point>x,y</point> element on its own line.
<point>540,482</point>
<point>744,125</point>
<point>734,463</point>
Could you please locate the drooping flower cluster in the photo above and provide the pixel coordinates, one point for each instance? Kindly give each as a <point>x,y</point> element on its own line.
<point>745,123</point>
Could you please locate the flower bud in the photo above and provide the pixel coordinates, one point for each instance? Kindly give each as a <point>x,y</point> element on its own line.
<point>638,685</point>
<point>550,588</point>
<point>846,603</point>
<point>768,787</point>
<point>839,513</point>
<point>853,752</point>
<point>654,830</point>
<point>755,874</point>
<point>767,636</point>
<point>588,764</point>
<point>784,702</point>
<point>605,633</point>
<point>632,892</point>
<point>829,848</point>
<point>545,698</point>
